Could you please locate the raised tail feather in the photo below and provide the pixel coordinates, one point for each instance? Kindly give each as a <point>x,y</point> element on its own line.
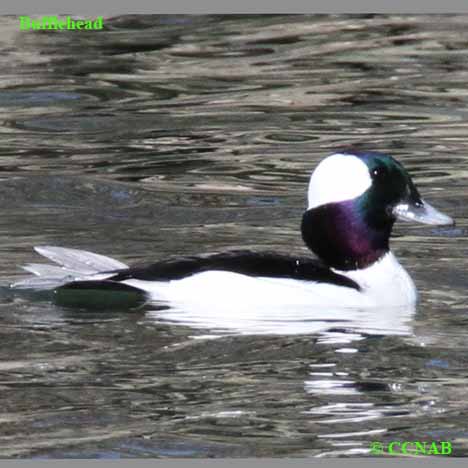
<point>75,265</point>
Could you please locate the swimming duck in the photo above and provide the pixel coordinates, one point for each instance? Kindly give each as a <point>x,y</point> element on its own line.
<point>354,198</point>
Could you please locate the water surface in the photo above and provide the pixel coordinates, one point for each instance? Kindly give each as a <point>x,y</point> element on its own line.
<point>170,135</point>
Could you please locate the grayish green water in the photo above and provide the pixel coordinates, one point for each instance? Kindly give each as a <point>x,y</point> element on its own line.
<point>174,135</point>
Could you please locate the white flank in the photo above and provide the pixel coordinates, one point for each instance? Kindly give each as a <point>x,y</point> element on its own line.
<point>267,306</point>
<point>242,304</point>
<point>385,283</point>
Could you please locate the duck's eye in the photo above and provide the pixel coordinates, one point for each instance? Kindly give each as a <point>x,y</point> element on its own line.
<point>379,173</point>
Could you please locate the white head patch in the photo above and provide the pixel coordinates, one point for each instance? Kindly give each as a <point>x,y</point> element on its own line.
<point>337,178</point>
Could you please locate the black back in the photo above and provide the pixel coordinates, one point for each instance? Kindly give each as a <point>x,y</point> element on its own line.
<point>267,264</point>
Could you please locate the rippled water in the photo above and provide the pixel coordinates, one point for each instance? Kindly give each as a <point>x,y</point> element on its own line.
<point>177,135</point>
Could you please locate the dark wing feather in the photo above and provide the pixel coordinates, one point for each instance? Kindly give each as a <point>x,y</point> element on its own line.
<point>239,261</point>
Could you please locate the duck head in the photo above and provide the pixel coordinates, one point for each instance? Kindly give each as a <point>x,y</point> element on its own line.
<point>353,201</point>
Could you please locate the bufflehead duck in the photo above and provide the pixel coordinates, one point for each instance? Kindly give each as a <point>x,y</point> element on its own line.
<point>354,198</point>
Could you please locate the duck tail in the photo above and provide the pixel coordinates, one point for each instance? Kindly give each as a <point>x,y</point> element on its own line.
<point>71,265</point>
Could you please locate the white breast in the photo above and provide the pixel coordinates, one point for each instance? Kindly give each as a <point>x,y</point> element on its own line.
<point>385,282</point>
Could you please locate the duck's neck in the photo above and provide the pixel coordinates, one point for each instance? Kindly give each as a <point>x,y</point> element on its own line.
<point>342,238</point>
